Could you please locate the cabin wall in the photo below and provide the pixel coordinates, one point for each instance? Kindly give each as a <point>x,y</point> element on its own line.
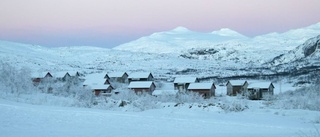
<point>206,93</point>
<point>150,78</point>
<point>152,88</point>
<point>244,88</point>
<point>213,91</point>
<point>182,87</point>
<point>136,90</point>
<point>98,92</point>
<point>122,79</point>
<point>229,89</point>
<point>236,90</point>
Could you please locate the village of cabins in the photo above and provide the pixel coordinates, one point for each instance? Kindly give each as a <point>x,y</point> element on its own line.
<point>139,82</point>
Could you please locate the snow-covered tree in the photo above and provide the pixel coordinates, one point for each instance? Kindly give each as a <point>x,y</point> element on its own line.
<point>14,80</point>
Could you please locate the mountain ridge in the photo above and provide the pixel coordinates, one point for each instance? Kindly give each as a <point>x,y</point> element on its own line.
<point>168,42</point>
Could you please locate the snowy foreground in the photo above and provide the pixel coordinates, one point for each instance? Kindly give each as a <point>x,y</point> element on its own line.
<point>19,119</point>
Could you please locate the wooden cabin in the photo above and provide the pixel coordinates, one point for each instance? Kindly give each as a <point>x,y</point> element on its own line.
<point>38,77</point>
<point>182,83</point>
<point>140,76</point>
<point>121,77</point>
<point>142,86</point>
<point>48,75</point>
<point>205,89</point>
<point>102,90</point>
<point>74,74</point>
<point>261,90</point>
<point>61,76</point>
<point>97,79</point>
<point>235,87</point>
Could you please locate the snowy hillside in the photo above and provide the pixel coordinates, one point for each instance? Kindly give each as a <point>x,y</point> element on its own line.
<point>227,44</point>
<point>310,49</point>
<point>302,62</point>
<point>91,59</point>
<point>223,53</point>
<point>181,39</point>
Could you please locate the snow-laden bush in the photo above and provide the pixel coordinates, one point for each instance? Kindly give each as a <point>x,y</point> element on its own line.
<point>303,98</point>
<point>70,88</point>
<point>235,105</point>
<point>17,85</point>
<point>189,97</point>
<point>126,94</point>
<point>14,81</point>
<point>166,98</point>
<point>146,101</point>
<point>142,101</point>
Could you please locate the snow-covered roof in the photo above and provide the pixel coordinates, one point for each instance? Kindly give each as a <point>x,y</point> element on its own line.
<point>185,80</point>
<point>139,75</point>
<point>99,86</point>
<point>116,74</point>
<point>94,81</point>
<point>164,92</point>
<point>200,86</point>
<point>140,84</point>
<point>237,82</point>
<point>73,73</point>
<point>97,78</point>
<point>59,74</point>
<point>259,85</point>
<point>39,74</point>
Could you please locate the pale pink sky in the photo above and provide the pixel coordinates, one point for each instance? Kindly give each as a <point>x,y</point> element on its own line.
<point>107,23</point>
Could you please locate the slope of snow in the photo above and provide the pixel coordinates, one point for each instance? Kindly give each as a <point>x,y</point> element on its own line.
<point>18,119</point>
<point>97,60</point>
<point>309,49</point>
<point>290,39</point>
<point>208,58</point>
<point>181,39</point>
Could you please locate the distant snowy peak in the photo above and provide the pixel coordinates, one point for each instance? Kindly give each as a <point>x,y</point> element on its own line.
<point>179,39</point>
<point>228,33</point>
<point>180,29</point>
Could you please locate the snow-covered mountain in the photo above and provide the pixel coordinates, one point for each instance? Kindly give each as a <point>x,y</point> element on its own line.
<point>222,53</point>
<point>92,59</point>
<point>181,39</point>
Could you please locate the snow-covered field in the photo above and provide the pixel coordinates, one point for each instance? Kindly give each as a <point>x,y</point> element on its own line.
<point>18,119</point>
